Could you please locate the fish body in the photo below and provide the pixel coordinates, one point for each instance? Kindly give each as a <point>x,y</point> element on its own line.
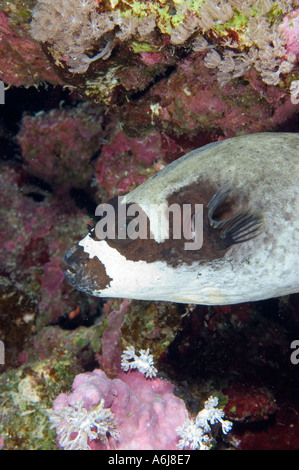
<point>247,188</point>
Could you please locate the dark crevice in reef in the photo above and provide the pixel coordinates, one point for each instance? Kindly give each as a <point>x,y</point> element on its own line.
<point>84,318</point>
<point>83,200</point>
<point>161,76</point>
<point>181,54</point>
<point>31,100</point>
<point>19,102</point>
<point>9,150</point>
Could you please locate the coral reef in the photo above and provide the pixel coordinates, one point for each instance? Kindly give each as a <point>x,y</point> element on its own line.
<point>290,32</point>
<point>131,411</point>
<point>248,32</point>
<point>126,162</point>
<point>22,61</point>
<point>152,325</point>
<point>75,27</point>
<point>146,412</point>
<point>34,231</point>
<point>26,395</point>
<point>144,362</point>
<point>75,420</point>
<point>251,374</point>
<point>58,146</point>
<point>195,431</point>
<point>120,54</point>
<point>294,90</point>
<point>159,78</point>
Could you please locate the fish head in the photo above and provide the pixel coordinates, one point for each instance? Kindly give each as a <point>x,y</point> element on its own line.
<point>148,251</point>
<point>243,186</point>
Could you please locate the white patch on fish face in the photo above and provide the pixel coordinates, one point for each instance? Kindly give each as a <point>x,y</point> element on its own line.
<point>214,283</point>
<point>159,281</point>
<point>257,269</point>
<point>132,279</point>
<point>140,279</point>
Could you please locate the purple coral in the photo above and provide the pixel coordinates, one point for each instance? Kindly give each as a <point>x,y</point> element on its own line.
<point>146,411</point>
<point>22,62</point>
<point>57,146</point>
<point>127,161</point>
<point>131,412</point>
<point>290,31</point>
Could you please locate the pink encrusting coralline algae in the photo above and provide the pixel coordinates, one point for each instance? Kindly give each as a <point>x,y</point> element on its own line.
<point>137,413</point>
<point>131,412</point>
<point>290,31</point>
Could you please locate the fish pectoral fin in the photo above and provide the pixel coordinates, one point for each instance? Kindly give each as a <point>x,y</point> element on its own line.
<point>239,228</point>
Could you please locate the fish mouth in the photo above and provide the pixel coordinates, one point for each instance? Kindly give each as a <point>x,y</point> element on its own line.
<point>70,276</point>
<point>85,274</point>
<point>71,273</point>
<point>70,255</point>
<point>75,274</point>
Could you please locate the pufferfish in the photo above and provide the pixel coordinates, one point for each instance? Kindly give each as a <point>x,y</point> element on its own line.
<point>246,192</point>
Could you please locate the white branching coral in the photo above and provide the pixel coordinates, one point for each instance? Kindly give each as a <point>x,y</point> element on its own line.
<point>75,425</point>
<point>143,363</point>
<point>266,59</point>
<point>77,32</point>
<point>294,90</point>
<point>72,28</point>
<point>247,32</point>
<point>195,433</point>
<point>262,42</point>
<point>212,60</point>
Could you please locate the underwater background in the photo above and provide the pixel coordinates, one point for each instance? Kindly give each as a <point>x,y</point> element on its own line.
<point>96,97</point>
